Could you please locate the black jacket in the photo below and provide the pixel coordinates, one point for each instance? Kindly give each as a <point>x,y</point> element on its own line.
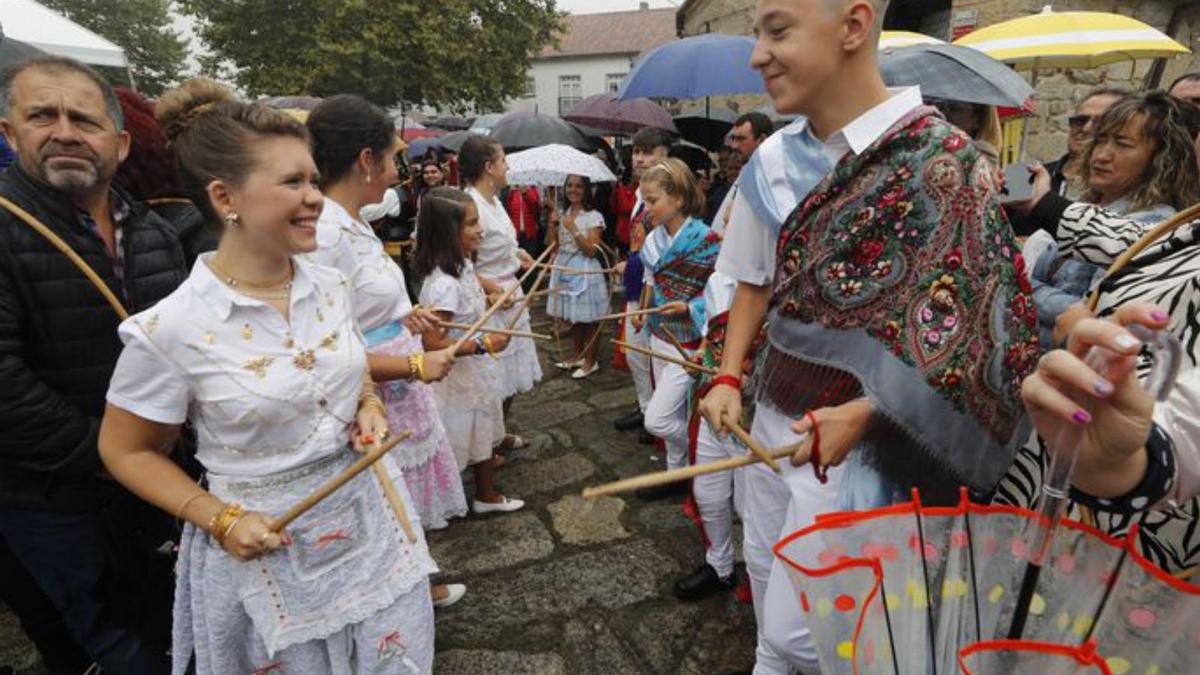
<point>59,344</point>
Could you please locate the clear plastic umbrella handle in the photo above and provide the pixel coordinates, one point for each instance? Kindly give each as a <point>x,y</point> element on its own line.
<point>1065,442</point>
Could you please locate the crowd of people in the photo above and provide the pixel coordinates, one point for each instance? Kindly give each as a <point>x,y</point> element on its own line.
<point>200,320</point>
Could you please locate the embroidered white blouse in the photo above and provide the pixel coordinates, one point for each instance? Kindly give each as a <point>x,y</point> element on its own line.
<point>351,246</point>
<point>265,395</point>
<point>497,255</point>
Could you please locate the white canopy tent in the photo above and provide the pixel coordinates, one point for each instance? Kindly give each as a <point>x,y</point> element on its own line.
<point>34,24</point>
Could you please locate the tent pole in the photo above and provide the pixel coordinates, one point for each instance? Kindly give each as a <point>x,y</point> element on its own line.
<point>132,79</point>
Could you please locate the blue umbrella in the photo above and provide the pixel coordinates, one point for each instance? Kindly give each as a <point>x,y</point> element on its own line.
<point>712,64</point>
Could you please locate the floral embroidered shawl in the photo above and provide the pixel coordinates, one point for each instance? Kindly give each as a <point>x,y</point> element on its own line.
<point>900,270</point>
<point>680,274</point>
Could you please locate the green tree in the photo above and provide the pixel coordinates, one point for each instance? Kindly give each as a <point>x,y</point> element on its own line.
<point>156,53</point>
<point>452,53</point>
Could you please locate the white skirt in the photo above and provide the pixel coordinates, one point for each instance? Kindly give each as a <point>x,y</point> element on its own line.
<point>519,366</point>
<point>349,596</point>
<point>469,402</point>
<point>580,298</point>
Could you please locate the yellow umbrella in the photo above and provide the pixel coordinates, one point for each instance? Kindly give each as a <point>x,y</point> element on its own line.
<point>1071,40</point>
<point>894,39</point>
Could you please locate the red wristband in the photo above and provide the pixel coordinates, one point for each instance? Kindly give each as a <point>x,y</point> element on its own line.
<point>731,380</point>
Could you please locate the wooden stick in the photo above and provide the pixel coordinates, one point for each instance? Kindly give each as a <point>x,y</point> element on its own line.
<point>669,359</point>
<point>337,481</point>
<point>393,497</point>
<point>496,307</point>
<point>577,270</point>
<point>658,478</point>
<point>757,449</point>
<point>632,312</point>
<point>545,291</point>
<point>497,331</point>
<point>537,281</point>
<point>674,341</point>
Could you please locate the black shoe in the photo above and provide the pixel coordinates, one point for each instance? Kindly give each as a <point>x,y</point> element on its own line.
<point>701,584</point>
<point>629,422</point>
<point>646,438</point>
<point>677,489</point>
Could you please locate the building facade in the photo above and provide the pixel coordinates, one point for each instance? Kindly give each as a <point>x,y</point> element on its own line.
<point>1057,91</point>
<point>595,53</point>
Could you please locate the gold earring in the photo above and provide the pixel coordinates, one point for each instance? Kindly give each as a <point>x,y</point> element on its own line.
<point>231,219</point>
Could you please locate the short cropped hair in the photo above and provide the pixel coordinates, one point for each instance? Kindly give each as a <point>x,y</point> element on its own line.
<point>60,64</point>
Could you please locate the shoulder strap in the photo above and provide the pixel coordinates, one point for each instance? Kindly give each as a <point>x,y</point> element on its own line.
<point>66,249</point>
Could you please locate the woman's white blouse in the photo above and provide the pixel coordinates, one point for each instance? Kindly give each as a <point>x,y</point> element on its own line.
<point>264,396</point>
<point>584,221</point>
<point>351,246</point>
<point>497,255</point>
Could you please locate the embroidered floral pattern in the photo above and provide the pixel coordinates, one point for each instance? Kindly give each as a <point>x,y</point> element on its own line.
<point>305,359</point>
<point>680,276</point>
<point>330,341</point>
<point>906,242</point>
<point>258,366</point>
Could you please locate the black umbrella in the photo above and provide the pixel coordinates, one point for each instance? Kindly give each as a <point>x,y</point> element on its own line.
<point>451,123</point>
<point>696,157</point>
<point>532,131</point>
<point>705,125</point>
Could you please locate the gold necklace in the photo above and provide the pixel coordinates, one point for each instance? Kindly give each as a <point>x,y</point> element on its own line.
<point>285,285</point>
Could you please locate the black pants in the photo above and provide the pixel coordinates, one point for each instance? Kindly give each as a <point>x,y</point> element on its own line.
<point>39,618</point>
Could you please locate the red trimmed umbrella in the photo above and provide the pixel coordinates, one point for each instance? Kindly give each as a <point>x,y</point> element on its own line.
<point>411,134</point>
<point>607,112</point>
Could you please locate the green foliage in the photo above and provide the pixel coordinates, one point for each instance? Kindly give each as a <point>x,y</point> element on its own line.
<point>142,28</point>
<point>448,53</point>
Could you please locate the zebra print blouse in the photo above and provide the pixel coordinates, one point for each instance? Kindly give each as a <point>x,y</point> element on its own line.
<point>1168,275</point>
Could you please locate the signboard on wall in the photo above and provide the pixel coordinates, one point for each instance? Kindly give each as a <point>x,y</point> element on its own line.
<point>963,21</point>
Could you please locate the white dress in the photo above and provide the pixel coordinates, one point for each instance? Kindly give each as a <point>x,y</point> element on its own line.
<point>381,304</point>
<point>272,402</point>
<point>579,298</point>
<point>497,260</point>
<point>469,398</point>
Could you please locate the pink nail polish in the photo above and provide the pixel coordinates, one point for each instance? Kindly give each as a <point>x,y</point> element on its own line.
<point>1081,417</point>
<point>1159,315</point>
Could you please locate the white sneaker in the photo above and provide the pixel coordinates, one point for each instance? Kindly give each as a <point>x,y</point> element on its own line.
<point>454,593</point>
<point>568,365</point>
<point>580,373</point>
<point>505,506</point>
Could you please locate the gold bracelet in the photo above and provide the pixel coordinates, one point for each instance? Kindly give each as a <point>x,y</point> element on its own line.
<point>186,503</point>
<point>372,401</point>
<point>487,344</point>
<point>419,361</point>
<point>414,369</point>
<point>221,523</point>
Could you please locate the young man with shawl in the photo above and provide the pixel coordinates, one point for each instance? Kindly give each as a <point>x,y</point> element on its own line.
<point>898,329</point>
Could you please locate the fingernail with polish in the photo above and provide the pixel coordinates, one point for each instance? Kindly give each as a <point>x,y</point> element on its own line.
<point>1159,315</point>
<point>1128,342</point>
<point>1102,387</point>
<point>1081,417</point>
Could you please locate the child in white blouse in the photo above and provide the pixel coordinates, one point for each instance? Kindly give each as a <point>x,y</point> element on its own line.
<point>469,398</point>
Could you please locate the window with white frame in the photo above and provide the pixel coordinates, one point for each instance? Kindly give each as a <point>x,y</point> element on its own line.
<point>530,88</point>
<point>570,92</point>
<point>612,82</point>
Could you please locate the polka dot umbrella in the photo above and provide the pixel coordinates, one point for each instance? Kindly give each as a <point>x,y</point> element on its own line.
<point>910,589</point>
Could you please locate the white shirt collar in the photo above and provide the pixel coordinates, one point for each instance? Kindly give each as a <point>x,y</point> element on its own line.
<point>222,298</point>
<point>859,134</point>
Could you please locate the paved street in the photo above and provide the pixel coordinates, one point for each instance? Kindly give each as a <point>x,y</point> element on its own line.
<point>567,586</point>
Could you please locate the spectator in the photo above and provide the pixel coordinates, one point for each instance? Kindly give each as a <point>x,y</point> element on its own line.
<point>1065,172</point>
<point>524,208</point>
<point>748,132</point>
<point>58,348</point>
<point>624,198</point>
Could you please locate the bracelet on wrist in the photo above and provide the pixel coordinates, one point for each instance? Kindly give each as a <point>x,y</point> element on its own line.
<point>420,363</point>
<point>220,524</point>
<point>414,372</point>
<point>179,513</point>
<point>728,380</point>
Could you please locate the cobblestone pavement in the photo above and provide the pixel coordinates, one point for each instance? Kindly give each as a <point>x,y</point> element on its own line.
<point>567,586</point>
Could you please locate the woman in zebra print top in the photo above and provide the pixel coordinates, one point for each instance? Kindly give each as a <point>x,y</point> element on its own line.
<point>1167,275</point>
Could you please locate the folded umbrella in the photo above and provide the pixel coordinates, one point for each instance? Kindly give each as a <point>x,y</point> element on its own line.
<point>955,73</point>
<point>712,64</point>
<point>551,164</point>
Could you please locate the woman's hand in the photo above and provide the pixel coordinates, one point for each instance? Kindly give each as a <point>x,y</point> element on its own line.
<point>722,406</point>
<point>493,298</point>
<point>1111,458</point>
<point>840,429</point>
<point>619,268</point>
<point>1066,321</point>
<point>436,365</point>
<point>421,321</point>
<point>251,537</point>
<point>526,261</point>
<point>498,342</point>
<point>637,321</point>
<point>370,428</point>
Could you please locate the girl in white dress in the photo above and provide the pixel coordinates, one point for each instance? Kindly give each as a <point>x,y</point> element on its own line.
<point>260,351</point>
<point>482,169</point>
<point>579,299</point>
<point>355,145</point>
<point>469,398</point>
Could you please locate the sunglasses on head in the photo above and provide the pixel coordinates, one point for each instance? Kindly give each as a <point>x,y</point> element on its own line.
<point>1079,121</point>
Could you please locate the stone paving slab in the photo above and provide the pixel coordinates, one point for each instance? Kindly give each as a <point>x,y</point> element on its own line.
<point>476,545</point>
<point>523,479</point>
<point>588,521</point>
<point>484,662</point>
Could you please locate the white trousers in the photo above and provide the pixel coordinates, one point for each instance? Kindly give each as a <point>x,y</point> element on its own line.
<point>717,495</point>
<point>773,506</point>
<point>639,364</point>
<point>666,416</point>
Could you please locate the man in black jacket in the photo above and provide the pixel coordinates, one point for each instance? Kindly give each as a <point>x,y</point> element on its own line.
<point>59,345</point>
